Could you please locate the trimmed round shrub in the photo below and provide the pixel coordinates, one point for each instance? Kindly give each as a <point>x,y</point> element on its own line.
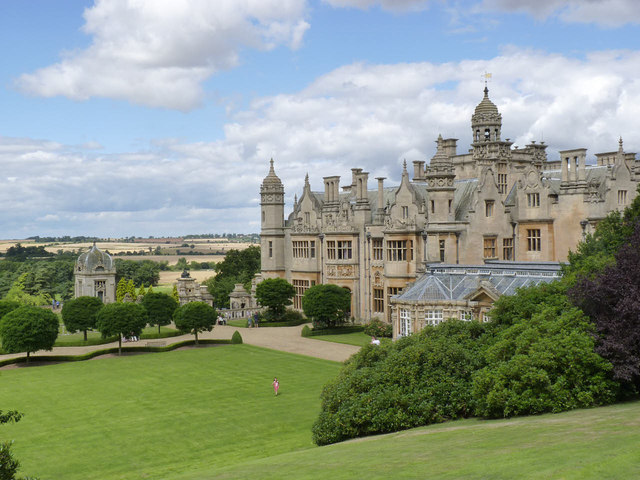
<point>306,331</point>
<point>28,329</point>
<point>236,338</point>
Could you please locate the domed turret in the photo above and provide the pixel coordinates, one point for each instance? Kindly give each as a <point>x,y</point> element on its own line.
<point>486,121</point>
<point>94,260</point>
<point>95,275</point>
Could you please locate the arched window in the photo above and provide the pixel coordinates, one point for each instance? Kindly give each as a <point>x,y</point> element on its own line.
<point>487,134</point>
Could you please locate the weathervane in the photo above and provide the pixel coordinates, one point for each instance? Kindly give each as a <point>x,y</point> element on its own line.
<point>487,77</point>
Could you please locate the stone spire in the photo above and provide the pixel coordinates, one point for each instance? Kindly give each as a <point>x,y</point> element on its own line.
<point>271,177</point>
<point>440,160</point>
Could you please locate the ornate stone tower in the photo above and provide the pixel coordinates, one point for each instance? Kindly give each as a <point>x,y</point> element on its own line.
<point>486,121</point>
<point>272,232</point>
<point>95,275</point>
<point>440,177</point>
<point>489,150</point>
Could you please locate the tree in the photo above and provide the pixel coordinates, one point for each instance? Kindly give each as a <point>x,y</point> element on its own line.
<point>195,317</point>
<point>276,294</point>
<point>142,272</point>
<point>238,266</point>
<point>612,300</point>
<point>326,305</point>
<point>28,329</point>
<point>8,464</point>
<point>121,290</point>
<point>131,290</point>
<point>21,292</point>
<point>7,306</point>
<point>160,308</point>
<point>80,314</point>
<point>122,319</point>
<point>174,293</point>
<point>598,249</point>
<point>544,363</point>
<point>142,292</point>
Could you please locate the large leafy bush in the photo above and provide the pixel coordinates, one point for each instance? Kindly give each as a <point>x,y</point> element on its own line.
<point>418,380</point>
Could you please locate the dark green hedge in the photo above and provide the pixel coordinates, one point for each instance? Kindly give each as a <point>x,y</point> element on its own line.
<point>336,330</point>
<point>106,351</point>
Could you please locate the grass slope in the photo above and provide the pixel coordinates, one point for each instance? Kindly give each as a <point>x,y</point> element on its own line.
<point>161,415</point>
<point>210,413</point>
<point>598,444</point>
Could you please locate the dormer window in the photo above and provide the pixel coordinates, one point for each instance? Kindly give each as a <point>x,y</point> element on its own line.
<point>405,212</point>
<point>488,208</point>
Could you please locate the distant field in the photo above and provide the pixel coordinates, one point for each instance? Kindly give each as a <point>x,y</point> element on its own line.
<point>204,246</point>
<point>173,259</point>
<point>210,413</point>
<point>169,278</point>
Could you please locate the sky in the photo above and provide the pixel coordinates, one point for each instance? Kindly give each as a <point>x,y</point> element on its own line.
<point>158,117</point>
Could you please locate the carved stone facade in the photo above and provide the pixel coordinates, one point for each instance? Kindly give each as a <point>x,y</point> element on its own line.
<point>497,202</point>
<point>191,291</point>
<point>95,275</point>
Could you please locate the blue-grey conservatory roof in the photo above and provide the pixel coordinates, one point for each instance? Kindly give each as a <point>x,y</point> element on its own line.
<point>457,282</point>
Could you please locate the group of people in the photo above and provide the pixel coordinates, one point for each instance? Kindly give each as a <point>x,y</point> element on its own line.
<point>253,321</point>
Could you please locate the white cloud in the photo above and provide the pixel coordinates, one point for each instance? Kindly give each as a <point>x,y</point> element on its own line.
<point>157,53</point>
<point>359,115</point>
<point>609,13</point>
<point>393,5</point>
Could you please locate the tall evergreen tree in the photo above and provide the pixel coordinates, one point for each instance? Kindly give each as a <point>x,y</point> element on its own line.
<point>121,289</point>
<point>131,290</point>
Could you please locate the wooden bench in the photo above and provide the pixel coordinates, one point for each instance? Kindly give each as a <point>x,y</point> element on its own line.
<point>156,344</point>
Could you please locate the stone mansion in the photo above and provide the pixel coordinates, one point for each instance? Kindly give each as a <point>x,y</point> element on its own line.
<point>495,202</point>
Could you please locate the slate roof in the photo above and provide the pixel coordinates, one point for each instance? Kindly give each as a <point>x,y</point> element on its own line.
<point>457,282</point>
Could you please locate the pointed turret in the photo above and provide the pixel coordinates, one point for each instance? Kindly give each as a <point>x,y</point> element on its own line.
<point>272,233</point>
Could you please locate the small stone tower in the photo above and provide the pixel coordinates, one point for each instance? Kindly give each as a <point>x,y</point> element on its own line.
<point>95,275</point>
<point>486,121</point>
<point>272,231</point>
<point>440,177</point>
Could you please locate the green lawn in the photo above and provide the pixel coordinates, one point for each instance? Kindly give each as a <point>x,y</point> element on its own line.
<point>238,322</point>
<point>358,339</point>
<point>210,413</point>
<point>595,444</point>
<point>161,415</point>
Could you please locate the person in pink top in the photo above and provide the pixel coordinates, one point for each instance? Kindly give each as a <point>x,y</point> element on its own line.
<point>276,385</point>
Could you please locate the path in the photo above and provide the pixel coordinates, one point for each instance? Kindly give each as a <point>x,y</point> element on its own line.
<point>286,339</point>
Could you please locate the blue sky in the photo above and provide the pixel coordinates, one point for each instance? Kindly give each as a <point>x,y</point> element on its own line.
<point>154,117</point>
